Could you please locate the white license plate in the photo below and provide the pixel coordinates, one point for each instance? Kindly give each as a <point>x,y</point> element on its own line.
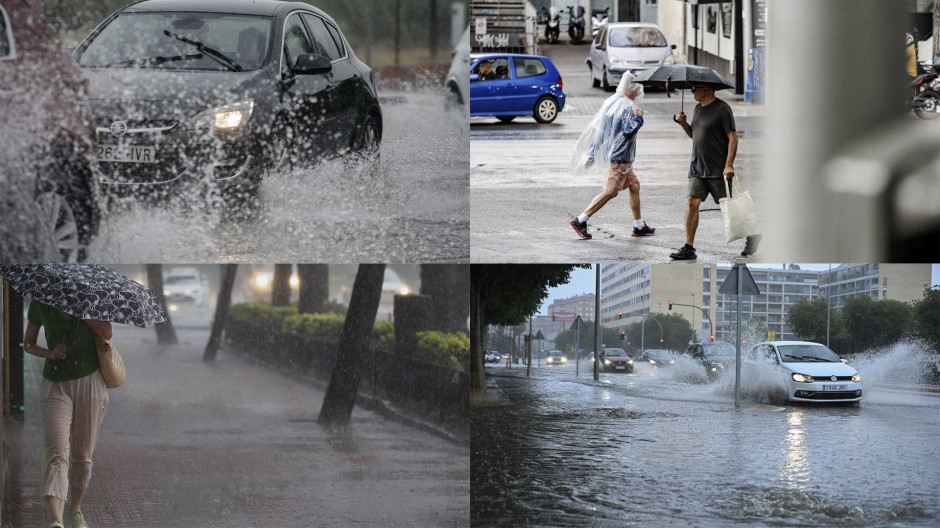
<point>127,153</point>
<point>833,387</point>
<point>621,367</point>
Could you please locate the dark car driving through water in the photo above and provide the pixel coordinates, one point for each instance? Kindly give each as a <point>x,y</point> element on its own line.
<point>201,99</point>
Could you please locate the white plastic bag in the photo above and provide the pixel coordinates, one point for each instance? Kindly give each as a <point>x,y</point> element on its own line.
<point>738,214</point>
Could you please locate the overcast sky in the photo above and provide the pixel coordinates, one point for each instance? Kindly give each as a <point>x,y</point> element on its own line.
<point>583,281</point>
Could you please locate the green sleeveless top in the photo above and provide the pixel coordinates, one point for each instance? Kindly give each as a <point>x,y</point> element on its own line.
<point>81,355</point>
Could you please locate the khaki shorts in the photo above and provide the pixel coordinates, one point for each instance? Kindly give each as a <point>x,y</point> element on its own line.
<point>620,176</point>
<point>701,187</point>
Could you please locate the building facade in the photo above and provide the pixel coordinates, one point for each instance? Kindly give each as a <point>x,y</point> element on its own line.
<point>636,290</point>
<point>899,282</point>
<point>582,305</point>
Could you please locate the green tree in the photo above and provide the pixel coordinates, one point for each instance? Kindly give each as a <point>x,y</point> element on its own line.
<point>676,330</point>
<point>926,314</point>
<point>505,295</point>
<point>610,337</point>
<point>872,324</point>
<point>807,319</point>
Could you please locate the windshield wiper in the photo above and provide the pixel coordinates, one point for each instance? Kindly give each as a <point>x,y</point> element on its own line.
<point>148,60</point>
<point>215,54</point>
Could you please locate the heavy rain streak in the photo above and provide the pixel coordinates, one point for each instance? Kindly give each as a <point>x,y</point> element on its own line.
<point>666,447</point>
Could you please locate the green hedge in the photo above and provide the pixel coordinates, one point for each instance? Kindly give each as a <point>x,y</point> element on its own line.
<point>453,349</point>
<point>433,347</point>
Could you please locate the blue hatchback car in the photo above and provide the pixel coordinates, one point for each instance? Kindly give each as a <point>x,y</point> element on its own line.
<point>507,85</point>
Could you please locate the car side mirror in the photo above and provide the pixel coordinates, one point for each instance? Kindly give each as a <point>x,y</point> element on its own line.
<point>673,46</point>
<point>312,64</point>
<point>474,76</point>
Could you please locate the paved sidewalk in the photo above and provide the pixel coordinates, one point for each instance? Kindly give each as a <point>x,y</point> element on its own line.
<point>225,444</point>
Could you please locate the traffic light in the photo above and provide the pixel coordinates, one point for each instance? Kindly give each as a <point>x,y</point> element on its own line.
<point>620,315</point>
<point>623,335</point>
<point>670,305</point>
<point>712,338</point>
<point>528,337</point>
<point>660,340</point>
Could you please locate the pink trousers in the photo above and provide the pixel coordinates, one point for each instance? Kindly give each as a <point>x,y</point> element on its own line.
<point>71,414</point>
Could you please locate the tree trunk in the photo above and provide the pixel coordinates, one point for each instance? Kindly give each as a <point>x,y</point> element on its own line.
<point>314,287</point>
<point>448,286</point>
<point>221,311</point>
<point>166,335</point>
<point>353,346</point>
<point>936,29</point>
<point>280,287</point>
<point>477,302</point>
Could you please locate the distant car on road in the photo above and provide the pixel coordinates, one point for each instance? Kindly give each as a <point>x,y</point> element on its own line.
<point>185,286</point>
<point>521,85</point>
<point>622,47</point>
<point>556,357</point>
<point>615,360</point>
<point>492,356</point>
<point>714,357</point>
<point>811,372</point>
<point>658,358</point>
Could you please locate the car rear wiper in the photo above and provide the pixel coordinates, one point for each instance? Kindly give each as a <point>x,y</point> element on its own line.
<point>214,53</point>
<point>149,60</point>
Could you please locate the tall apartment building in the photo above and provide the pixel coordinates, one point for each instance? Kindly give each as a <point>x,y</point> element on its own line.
<point>637,290</point>
<point>901,282</point>
<point>582,305</point>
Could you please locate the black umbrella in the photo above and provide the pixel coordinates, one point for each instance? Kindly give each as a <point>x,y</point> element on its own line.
<point>682,76</point>
<point>86,291</point>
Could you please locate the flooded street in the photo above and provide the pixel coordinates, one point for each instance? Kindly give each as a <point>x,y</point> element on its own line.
<point>414,208</point>
<point>666,448</point>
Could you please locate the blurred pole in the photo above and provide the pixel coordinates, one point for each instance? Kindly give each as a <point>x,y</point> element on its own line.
<point>835,74</point>
<point>528,350</point>
<point>221,311</point>
<point>739,27</point>
<point>369,32</point>
<point>434,29</point>
<point>828,301</point>
<point>737,341</point>
<point>597,321</point>
<point>397,32</point>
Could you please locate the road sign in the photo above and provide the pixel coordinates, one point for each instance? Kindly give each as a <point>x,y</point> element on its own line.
<point>578,324</point>
<point>771,335</point>
<point>540,335</point>
<point>565,317</point>
<point>480,26</point>
<point>730,285</point>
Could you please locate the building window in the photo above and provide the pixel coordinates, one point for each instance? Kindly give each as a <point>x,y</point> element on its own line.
<point>711,19</point>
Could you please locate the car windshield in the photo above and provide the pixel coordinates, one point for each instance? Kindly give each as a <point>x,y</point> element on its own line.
<point>611,352</point>
<point>718,349</point>
<point>180,41</point>
<point>807,353</point>
<point>657,353</point>
<point>636,37</point>
<point>555,353</point>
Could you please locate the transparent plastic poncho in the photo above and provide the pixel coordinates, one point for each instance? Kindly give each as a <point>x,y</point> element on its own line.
<point>610,137</point>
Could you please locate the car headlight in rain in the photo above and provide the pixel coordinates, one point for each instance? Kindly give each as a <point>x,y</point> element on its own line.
<point>404,290</point>
<point>802,378</point>
<point>652,362</point>
<point>671,361</point>
<point>607,362</point>
<point>856,378</point>
<point>262,281</point>
<point>294,281</point>
<point>564,360</point>
<point>228,117</point>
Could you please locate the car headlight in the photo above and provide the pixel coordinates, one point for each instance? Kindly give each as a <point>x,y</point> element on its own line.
<point>615,60</point>
<point>652,362</point>
<point>802,378</point>
<point>856,378</point>
<point>224,118</point>
<point>564,360</point>
<point>671,361</point>
<point>607,362</point>
<point>166,292</point>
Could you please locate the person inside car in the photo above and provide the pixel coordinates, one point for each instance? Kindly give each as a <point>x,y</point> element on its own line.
<point>486,71</point>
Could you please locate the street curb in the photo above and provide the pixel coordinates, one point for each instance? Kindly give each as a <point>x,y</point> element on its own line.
<point>363,399</point>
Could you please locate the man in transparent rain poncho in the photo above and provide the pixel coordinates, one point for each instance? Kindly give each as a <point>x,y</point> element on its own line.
<point>611,137</point>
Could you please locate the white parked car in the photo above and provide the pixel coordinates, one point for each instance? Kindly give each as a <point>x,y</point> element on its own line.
<point>620,47</point>
<point>458,78</point>
<point>811,372</point>
<point>185,286</point>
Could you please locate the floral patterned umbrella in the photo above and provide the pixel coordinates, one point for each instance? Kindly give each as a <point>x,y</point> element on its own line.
<point>87,291</point>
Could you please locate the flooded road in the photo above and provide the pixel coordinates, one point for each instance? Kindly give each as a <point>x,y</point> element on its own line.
<point>413,208</point>
<point>665,448</point>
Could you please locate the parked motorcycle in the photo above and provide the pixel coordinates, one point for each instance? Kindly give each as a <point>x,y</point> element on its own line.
<point>922,98</point>
<point>552,24</point>
<point>576,24</point>
<point>598,19</point>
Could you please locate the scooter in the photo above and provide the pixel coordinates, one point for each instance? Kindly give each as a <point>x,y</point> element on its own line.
<point>576,24</point>
<point>552,23</point>
<point>598,19</point>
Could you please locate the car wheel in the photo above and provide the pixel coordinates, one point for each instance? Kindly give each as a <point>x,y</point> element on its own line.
<point>280,148</point>
<point>367,145</point>
<point>59,226</point>
<point>595,82</point>
<point>505,119</point>
<point>604,83</point>
<point>453,96</point>
<point>546,109</point>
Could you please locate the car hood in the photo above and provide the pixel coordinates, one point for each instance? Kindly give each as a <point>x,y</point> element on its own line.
<point>135,94</point>
<point>645,56</point>
<point>615,359</point>
<point>821,369</point>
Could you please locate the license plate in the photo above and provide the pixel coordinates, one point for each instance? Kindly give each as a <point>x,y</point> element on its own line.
<point>127,153</point>
<point>621,367</point>
<point>833,387</point>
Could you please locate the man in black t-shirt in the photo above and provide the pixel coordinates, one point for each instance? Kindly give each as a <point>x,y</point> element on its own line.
<point>714,146</point>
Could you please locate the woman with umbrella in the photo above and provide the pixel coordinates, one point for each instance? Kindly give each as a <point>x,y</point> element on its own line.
<point>75,304</point>
<point>73,399</point>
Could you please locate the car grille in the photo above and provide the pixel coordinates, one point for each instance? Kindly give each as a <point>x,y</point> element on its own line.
<point>826,395</point>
